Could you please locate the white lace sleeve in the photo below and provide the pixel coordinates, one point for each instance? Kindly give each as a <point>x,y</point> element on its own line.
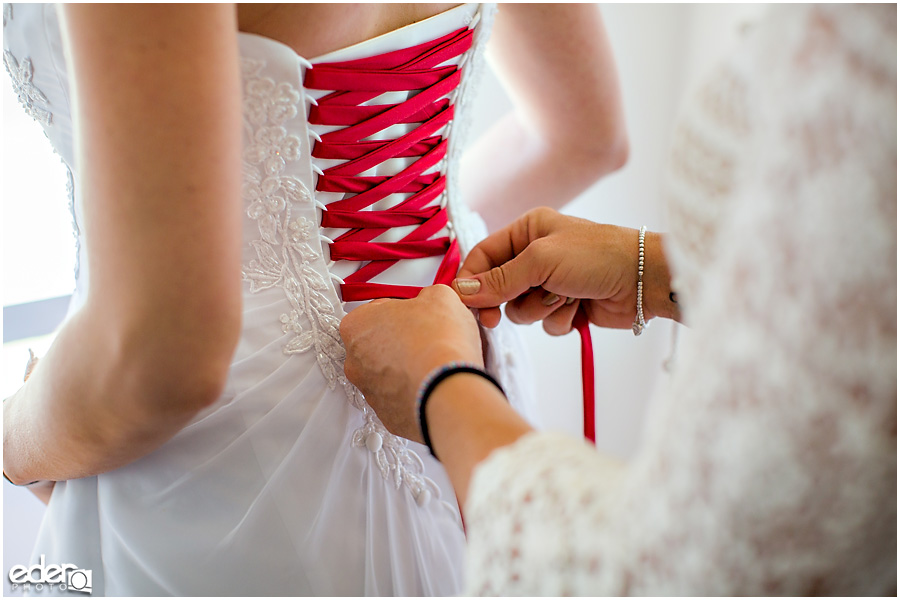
<point>770,466</point>
<point>529,509</point>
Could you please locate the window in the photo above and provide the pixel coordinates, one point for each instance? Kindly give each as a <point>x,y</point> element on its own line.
<point>38,243</point>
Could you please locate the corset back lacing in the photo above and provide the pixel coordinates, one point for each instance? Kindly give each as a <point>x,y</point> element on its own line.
<point>417,69</point>
<point>357,81</point>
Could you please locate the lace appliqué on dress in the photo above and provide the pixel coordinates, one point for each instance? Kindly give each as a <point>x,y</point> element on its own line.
<point>29,95</point>
<point>286,251</point>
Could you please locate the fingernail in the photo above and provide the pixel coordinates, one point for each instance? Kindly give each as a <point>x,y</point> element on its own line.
<point>467,287</point>
<point>549,299</point>
<point>570,300</point>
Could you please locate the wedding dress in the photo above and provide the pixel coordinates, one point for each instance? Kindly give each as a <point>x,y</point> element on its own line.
<point>770,464</point>
<point>289,484</point>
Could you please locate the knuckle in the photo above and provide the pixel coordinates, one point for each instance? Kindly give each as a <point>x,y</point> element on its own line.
<point>441,294</point>
<point>497,278</point>
<point>445,292</point>
<point>543,255</point>
<point>541,213</point>
<point>553,328</point>
<point>540,246</point>
<point>515,314</point>
<point>557,324</point>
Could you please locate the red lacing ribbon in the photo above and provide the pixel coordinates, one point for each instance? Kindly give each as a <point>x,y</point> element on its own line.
<point>358,81</point>
<point>355,82</point>
<point>583,325</point>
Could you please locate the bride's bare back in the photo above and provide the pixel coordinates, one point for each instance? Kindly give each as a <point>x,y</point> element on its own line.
<point>316,29</point>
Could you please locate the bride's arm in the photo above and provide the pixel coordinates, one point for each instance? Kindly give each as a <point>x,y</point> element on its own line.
<point>157,133</point>
<point>568,129</point>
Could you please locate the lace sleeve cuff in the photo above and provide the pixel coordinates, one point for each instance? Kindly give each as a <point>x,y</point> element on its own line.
<point>535,510</point>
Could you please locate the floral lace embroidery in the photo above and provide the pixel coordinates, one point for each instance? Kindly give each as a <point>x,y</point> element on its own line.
<point>7,13</point>
<point>271,198</point>
<point>286,251</point>
<point>28,94</point>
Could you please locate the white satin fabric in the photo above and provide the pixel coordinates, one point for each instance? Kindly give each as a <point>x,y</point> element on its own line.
<point>288,484</point>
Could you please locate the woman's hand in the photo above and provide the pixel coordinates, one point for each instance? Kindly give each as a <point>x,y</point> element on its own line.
<point>544,262</point>
<point>392,345</point>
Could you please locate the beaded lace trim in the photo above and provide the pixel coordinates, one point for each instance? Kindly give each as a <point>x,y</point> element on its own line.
<point>29,96</point>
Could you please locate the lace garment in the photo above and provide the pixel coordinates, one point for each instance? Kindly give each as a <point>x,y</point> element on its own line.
<point>770,464</point>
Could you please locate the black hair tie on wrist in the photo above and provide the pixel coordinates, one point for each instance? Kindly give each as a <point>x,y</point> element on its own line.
<point>433,380</point>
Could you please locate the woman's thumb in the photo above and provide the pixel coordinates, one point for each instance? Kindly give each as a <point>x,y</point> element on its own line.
<point>499,285</point>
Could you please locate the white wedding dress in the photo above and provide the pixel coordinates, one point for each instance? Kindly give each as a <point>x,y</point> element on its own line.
<point>770,463</point>
<point>288,484</point>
